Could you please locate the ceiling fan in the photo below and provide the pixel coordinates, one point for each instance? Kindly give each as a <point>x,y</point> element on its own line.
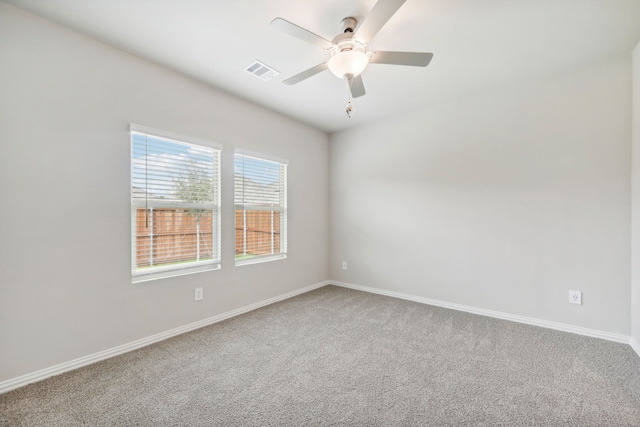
<point>349,56</point>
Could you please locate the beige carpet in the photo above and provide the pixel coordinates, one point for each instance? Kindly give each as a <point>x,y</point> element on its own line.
<point>336,356</point>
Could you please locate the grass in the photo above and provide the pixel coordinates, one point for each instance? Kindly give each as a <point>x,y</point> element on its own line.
<point>244,256</point>
<point>140,267</point>
<point>238,257</point>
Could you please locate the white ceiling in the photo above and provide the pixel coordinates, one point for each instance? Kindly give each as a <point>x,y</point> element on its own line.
<point>477,45</point>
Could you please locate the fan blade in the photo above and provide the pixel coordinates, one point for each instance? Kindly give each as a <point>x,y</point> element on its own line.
<point>415,59</point>
<point>306,74</point>
<point>356,86</point>
<point>379,15</point>
<point>300,33</point>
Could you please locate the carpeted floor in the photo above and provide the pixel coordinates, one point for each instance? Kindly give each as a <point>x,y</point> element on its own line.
<point>336,356</point>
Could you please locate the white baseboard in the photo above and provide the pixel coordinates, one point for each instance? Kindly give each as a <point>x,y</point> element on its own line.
<point>635,346</point>
<point>497,314</point>
<point>40,375</point>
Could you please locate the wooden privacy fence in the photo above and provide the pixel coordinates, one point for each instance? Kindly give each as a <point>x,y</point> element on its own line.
<point>166,236</point>
<point>263,232</point>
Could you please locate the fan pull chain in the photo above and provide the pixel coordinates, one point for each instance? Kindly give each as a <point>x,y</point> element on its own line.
<point>349,108</point>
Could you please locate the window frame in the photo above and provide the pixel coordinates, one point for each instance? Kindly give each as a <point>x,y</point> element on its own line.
<point>173,270</point>
<point>282,208</point>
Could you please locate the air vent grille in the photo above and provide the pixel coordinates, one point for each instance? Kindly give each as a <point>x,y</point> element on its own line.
<point>261,71</point>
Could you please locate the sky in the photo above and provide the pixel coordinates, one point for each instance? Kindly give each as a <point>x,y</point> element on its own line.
<point>157,162</point>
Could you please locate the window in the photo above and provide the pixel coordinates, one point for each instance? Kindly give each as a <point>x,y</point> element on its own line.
<point>175,219</point>
<point>261,208</point>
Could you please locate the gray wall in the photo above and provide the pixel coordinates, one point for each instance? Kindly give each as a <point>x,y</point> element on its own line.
<point>502,201</point>
<point>65,105</point>
<point>635,180</point>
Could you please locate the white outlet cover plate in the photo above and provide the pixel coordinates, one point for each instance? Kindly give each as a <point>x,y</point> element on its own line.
<point>199,294</point>
<point>575,297</point>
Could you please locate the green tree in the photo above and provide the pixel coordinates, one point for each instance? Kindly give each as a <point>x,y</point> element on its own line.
<point>196,186</point>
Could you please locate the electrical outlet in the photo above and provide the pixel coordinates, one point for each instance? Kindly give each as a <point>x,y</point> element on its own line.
<point>575,297</point>
<point>344,265</point>
<point>199,294</point>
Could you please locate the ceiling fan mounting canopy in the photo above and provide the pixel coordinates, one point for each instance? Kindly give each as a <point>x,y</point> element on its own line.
<point>349,57</point>
<point>348,24</point>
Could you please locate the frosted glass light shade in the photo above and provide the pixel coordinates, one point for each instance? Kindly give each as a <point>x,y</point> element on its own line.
<point>348,63</point>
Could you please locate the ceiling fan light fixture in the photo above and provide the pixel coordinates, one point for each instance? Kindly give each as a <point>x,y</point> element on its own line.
<point>348,63</point>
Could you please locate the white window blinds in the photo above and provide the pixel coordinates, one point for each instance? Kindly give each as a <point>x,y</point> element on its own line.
<point>174,204</point>
<point>261,208</point>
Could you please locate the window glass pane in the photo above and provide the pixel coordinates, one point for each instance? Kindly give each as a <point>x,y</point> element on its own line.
<point>261,211</point>
<point>174,197</point>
